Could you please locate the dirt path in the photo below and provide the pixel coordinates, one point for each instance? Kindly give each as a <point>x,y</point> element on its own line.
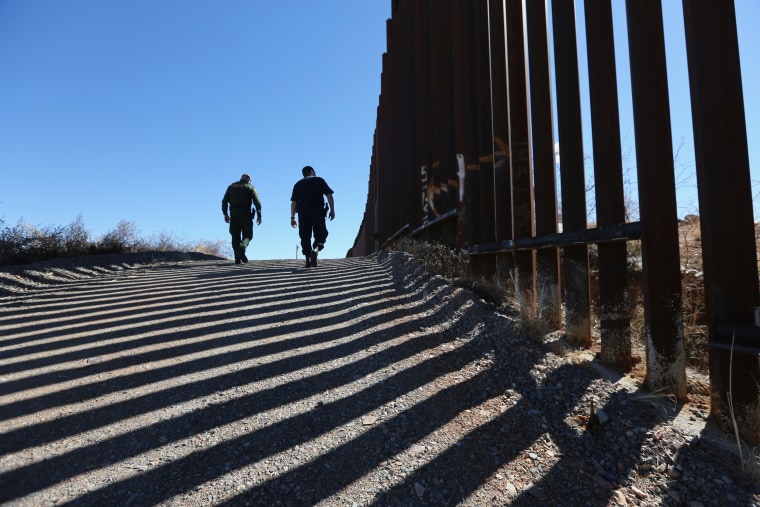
<point>361,382</point>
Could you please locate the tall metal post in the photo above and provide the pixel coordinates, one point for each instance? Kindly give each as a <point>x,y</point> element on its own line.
<point>465,131</point>
<point>575,269</point>
<point>608,178</point>
<point>422,110</point>
<point>384,220</point>
<point>502,152</point>
<point>403,148</point>
<point>725,203</point>
<point>437,111</point>
<point>663,304</point>
<point>486,204</point>
<point>542,122</point>
<point>519,145</point>
<point>449,184</point>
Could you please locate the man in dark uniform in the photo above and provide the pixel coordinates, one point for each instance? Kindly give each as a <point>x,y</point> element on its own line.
<point>243,202</point>
<point>307,201</point>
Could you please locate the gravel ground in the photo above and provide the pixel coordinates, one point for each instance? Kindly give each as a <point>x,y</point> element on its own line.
<point>165,380</point>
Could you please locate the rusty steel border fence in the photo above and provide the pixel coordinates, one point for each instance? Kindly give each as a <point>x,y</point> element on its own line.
<point>464,155</point>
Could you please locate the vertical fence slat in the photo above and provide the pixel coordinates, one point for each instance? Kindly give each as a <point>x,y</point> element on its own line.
<point>485,264</point>
<point>519,145</point>
<point>725,202</point>
<point>663,305</point>
<point>449,179</point>
<point>437,107</point>
<point>450,77</point>
<point>614,319</point>
<point>383,174</point>
<point>459,117</point>
<point>575,269</point>
<point>473,210</point>
<point>502,151</point>
<point>423,134</point>
<point>403,129</point>
<point>542,123</point>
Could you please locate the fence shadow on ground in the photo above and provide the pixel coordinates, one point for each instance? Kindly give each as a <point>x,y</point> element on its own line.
<point>271,383</point>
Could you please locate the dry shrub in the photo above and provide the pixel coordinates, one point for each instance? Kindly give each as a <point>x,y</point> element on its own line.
<point>531,320</point>
<point>437,257</point>
<point>25,243</point>
<point>216,248</point>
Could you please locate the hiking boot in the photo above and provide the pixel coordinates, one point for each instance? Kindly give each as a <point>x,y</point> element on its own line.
<point>313,258</point>
<point>237,260</point>
<point>308,261</point>
<point>243,257</point>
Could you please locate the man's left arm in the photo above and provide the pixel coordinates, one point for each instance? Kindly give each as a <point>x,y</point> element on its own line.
<point>331,202</point>
<point>225,202</point>
<point>257,205</point>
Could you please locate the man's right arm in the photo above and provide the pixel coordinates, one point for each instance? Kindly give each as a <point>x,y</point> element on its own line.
<point>225,202</point>
<point>331,202</point>
<point>293,222</point>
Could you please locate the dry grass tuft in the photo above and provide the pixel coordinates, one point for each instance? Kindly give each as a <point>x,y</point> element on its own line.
<point>438,258</point>
<point>531,320</point>
<point>656,397</point>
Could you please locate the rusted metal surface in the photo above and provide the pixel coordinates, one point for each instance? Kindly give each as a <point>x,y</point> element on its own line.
<point>597,235</point>
<point>504,191</point>
<point>484,267</point>
<point>614,321</point>
<point>464,143</point>
<point>443,193</point>
<point>657,197</point>
<point>725,204</point>
<point>548,295</point>
<point>386,217</point>
<point>423,160</point>
<point>575,267</point>
<point>519,152</point>
<point>473,208</point>
<point>403,147</point>
<point>463,154</point>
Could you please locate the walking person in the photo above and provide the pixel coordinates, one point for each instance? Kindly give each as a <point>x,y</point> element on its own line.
<point>307,200</point>
<point>240,205</point>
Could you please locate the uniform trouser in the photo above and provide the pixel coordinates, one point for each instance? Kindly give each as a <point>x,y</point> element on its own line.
<point>311,222</point>
<point>241,226</point>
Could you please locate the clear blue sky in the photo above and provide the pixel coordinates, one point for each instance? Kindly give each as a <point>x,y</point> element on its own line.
<point>748,22</point>
<point>145,110</point>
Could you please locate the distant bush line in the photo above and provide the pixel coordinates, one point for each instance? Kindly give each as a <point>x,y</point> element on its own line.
<point>24,244</point>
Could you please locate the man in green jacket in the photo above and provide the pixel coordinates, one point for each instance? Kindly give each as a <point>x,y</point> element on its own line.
<point>243,203</point>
